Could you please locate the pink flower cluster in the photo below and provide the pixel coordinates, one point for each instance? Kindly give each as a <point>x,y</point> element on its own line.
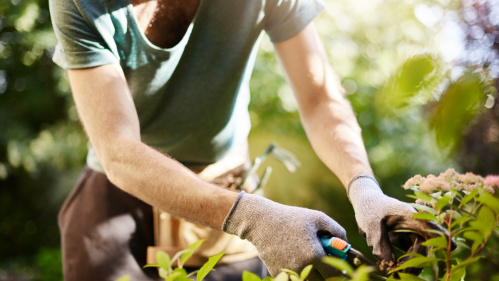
<point>451,179</point>
<point>492,180</point>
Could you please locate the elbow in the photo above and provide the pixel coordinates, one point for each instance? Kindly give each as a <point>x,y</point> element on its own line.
<point>115,160</point>
<point>110,160</point>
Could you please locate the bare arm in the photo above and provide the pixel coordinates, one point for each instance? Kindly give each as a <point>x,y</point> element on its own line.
<point>333,130</point>
<point>327,116</point>
<point>107,111</point>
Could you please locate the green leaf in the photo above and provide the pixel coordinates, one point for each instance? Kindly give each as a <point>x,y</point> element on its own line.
<point>409,85</point>
<point>151,265</point>
<point>485,221</point>
<point>412,196</point>
<point>425,216</point>
<point>437,242</point>
<point>414,188</point>
<point>185,256</point>
<point>457,275</point>
<point>162,273</point>
<point>305,272</point>
<point>475,246</point>
<point>450,194</point>
<point>173,276</point>
<point>439,232</point>
<point>339,264</point>
<point>391,278</point>
<point>473,235</point>
<point>461,232</point>
<point>283,276</point>
<point>409,255</point>
<point>178,254</point>
<point>195,245</point>
<point>460,221</point>
<point>455,214</point>
<point>290,272</point>
<point>417,262</point>
<point>406,231</point>
<point>436,195</point>
<point>250,276</point>
<point>465,263</point>
<point>208,266</point>
<point>409,277</point>
<point>423,196</point>
<point>489,201</point>
<point>294,278</point>
<point>177,275</point>
<point>420,207</point>
<point>443,202</point>
<point>455,192</point>
<point>163,260</point>
<point>468,197</point>
<point>124,278</point>
<point>362,273</point>
<point>459,103</point>
<point>190,250</point>
<point>268,278</point>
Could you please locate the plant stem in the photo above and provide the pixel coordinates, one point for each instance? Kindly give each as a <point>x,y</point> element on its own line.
<point>435,276</point>
<point>449,244</point>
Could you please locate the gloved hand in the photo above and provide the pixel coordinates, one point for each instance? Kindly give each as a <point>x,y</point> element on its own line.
<point>286,237</point>
<point>378,215</point>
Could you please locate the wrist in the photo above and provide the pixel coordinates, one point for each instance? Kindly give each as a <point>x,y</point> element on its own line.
<point>363,189</point>
<point>232,210</point>
<point>359,177</point>
<point>250,212</point>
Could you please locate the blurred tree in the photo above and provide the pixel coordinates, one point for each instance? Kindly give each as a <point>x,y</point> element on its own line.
<point>40,138</point>
<point>479,149</point>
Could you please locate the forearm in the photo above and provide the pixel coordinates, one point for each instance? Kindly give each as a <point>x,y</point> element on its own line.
<point>335,135</point>
<point>165,183</point>
<point>326,114</point>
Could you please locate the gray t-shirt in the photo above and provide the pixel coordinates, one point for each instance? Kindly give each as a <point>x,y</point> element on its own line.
<point>192,99</point>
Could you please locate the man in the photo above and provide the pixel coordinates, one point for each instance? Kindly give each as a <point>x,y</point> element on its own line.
<point>161,88</point>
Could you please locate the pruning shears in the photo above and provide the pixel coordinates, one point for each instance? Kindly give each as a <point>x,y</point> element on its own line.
<point>337,247</point>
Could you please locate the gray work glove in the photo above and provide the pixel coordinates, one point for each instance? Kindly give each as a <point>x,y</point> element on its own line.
<point>379,215</point>
<point>286,237</point>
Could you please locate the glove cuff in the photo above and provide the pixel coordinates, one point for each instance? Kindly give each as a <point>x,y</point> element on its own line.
<point>362,189</point>
<point>355,178</point>
<point>232,209</point>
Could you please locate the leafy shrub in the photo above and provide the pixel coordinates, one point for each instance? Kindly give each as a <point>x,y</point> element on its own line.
<point>467,208</point>
<point>169,272</point>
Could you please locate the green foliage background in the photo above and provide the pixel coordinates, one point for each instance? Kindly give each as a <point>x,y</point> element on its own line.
<point>401,85</point>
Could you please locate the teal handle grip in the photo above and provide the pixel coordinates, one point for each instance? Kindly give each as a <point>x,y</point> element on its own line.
<point>336,247</point>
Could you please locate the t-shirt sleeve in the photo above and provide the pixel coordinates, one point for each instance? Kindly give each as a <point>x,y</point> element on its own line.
<point>286,18</point>
<point>79,43</point>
